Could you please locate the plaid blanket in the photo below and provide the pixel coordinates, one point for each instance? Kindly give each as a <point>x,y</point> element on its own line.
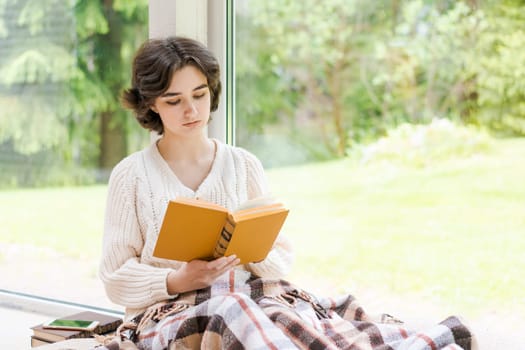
<point>241,311</point>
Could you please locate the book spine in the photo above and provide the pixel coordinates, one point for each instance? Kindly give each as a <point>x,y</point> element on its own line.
<point>224,238</point>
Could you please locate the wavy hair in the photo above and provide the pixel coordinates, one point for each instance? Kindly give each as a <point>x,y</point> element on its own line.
<point>153,67</point>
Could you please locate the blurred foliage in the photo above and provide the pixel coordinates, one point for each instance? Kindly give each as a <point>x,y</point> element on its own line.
<point>425,144</point>
<point>36,62</point>
<point>314,79</point>
<point>62,67</point>
<point>336,74</point>
<point>420,71</point>
<point>499,68</point>
<point>316,62</point>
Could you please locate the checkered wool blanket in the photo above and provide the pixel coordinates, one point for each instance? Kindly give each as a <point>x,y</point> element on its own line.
<point>241,311</point>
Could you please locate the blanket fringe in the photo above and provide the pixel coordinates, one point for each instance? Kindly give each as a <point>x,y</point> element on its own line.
<point>159,312</point>
<point>290,298</point>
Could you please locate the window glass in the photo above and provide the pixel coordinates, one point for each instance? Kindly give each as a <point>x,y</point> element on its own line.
<point>393,134</point>
<point>62,66</point>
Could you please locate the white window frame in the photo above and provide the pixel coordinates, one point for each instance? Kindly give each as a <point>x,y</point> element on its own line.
<point>212,23</point>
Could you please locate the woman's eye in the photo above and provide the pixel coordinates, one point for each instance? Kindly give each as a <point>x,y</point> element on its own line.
<point>173,103</point>
<point>199,96</point>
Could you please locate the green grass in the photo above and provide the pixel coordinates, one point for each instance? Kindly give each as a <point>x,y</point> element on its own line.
<point>453,231</point>
<point>69,220</point>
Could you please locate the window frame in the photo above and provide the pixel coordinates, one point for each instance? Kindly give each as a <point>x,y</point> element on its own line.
<point>209,21</point>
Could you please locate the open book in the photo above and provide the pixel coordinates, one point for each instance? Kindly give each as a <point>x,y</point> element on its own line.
<point>197,229</point>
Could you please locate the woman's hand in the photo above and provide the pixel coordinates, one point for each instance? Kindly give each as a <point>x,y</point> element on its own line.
<point>198,274</point>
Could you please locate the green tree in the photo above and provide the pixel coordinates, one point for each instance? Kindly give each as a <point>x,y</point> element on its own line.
<point>317,47</point>
<point>500,68</point>
<point>62,67</point>
<point>37,62</point>
<point>422,70</point>
<point>347,71</point>
<point>109,32</point>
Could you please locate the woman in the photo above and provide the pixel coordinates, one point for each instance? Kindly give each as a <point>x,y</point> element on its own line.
<point>214,304</point>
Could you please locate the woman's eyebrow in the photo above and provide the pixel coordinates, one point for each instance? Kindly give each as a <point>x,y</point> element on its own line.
<point>171,94</point>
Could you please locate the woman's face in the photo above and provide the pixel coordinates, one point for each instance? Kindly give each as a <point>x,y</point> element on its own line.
<point>185,106</point>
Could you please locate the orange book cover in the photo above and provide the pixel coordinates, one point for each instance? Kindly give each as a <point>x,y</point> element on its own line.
<point>193,229</point>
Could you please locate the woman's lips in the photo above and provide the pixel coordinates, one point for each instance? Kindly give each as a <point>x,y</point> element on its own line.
<point>193,123</point>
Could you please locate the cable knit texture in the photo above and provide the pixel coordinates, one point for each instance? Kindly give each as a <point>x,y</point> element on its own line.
<point>139,190</point>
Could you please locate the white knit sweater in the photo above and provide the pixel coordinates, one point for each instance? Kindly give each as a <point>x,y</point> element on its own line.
<point>139,189</point>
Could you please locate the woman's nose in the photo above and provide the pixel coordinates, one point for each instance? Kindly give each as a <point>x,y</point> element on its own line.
<point>190,108</point>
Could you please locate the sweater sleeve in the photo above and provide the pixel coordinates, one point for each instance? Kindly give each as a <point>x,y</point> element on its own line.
<point>279,261</point>
<point>127,281</point>
<point>256,182</point>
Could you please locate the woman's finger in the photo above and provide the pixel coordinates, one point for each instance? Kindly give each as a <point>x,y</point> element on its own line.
<point>220,263</point>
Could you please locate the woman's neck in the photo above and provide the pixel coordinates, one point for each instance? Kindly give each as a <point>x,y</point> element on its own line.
<point>185,150</point>
<point>190,160</point>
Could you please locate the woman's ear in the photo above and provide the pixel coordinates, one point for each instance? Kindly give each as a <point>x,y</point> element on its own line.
<point>154,109</point>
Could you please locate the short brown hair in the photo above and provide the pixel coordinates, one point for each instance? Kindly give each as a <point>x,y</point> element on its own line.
<point>153,68</point>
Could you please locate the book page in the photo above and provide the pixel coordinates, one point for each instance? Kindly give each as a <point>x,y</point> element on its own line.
<point>257,211</point>
<point>256,202</point>
<point>199,203</point>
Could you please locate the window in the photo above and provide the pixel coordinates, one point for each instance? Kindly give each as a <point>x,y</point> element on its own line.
<point>358,111</point>
<point>309,100</point>
<point>61,132</point>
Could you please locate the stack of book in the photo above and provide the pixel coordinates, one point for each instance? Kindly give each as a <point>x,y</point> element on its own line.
<point>107,324</point>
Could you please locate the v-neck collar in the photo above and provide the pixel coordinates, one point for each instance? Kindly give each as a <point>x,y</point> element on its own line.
<point>206,182</point>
